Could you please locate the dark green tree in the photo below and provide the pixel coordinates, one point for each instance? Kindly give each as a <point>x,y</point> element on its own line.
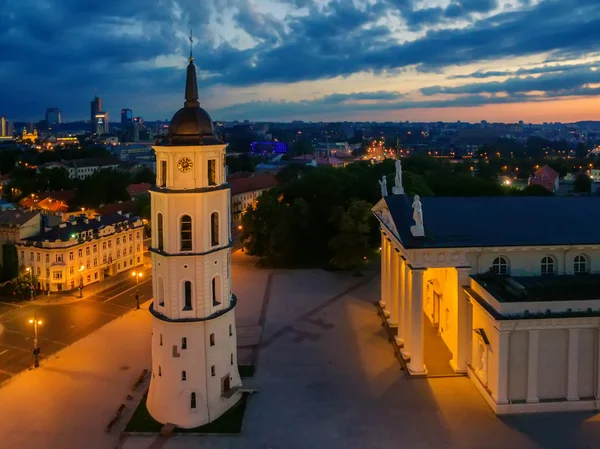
<point>583,184</point>
<point>10,267</point>
<point>143,174</point>
<point>350,244</point>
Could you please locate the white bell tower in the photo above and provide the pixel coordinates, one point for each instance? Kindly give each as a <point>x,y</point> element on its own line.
<point>195,376</point>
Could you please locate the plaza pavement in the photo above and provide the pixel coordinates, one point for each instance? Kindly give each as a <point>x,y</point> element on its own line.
<point>326,375</point>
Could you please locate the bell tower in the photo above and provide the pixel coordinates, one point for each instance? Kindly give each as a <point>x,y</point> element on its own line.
<point>195,377</point>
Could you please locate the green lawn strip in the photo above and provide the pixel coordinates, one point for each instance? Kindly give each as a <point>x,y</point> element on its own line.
<point>230,422</point>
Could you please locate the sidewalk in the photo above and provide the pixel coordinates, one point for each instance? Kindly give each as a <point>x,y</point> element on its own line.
<point>73,295</point>
<point>69,400</point>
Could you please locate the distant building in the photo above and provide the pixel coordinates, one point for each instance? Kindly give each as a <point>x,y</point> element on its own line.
<point>32,136</point>
<point>547,178</point>
<point>53,117</point>
<point>96,107</point>
<point>52,203</point>
<point>18,224</point>
<point>3,126</point>
<point>101,123</point>
<point>83,251</point>
<point>595,174</point>
<point>82,168</point>
<point>126,117</point>
<point>245,192</point>
<point>137,190</point>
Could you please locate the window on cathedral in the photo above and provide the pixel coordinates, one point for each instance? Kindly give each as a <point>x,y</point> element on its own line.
<point>159,225</point>
<point>184,343</point>
<point>548,265</point>
<point>500,265</point>
<point>161,339</point>
<point>212,172</point>
<point>186,233</point>
<point>184,376</point>
<point>159,370</point>
<point>232,358</point>
<point>193,400</point>
<point>161,292</point>
<point>216,291</point>
<point>230,330</point>
<point>214,229</point>
<point>212,339</point>
<point>163,174</point>
<point>580,264</point>
<point>187,295</point>
<point>212,371</point>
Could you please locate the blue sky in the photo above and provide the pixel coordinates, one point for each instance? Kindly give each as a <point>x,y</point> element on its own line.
<point>418,60</point>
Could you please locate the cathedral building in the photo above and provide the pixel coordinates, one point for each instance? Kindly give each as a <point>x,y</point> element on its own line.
<point>195,376</point>
<point>510,286</point>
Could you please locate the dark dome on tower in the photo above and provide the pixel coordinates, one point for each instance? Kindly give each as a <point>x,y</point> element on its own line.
<point>191,125</point>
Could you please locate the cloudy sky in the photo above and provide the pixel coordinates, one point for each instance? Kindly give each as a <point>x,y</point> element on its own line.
<point>417,60</point>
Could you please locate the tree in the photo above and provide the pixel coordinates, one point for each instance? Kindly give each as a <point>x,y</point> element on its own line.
<point>143,174</point>
<point>10,269</point>
<point>583,184</point>
<point>535,190</point>
<point>54,179</point>
<point>103,187</point>
<point>350,244</point>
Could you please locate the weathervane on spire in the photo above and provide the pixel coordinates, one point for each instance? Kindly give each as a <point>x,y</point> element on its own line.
<point>191,43</point>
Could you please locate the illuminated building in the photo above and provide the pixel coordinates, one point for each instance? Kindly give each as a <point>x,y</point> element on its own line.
<point>245,192</point>
<point>83,251</point>
<point>95,108</point>
<point>33,136</point>
<point>195,376</point>
<point>101,122</point>
<point>508,286</point>
<point>53,116</point>
<point>3,126</point>
<point>126,116</point>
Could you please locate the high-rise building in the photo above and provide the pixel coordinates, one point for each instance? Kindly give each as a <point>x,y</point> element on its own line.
<point>195,378</point>
<point>53,116</point>
<point>101,123</point>
<point>126,116</point>
<point>3,126</point>
<point>96,108</point>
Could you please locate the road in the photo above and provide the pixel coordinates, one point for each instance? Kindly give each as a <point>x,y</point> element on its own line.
<point>62,324</point>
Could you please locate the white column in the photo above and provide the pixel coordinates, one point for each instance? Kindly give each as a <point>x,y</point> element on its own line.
<point>417,365</point>
<point>401,300</point>
<point>532,366</point>
<point>573,361</point>
<point>384,282</point>
<point>392,305</point>
<point>463,325</point>
<point>501,396</point>
<point>405,351</point>
<point>388,276</point>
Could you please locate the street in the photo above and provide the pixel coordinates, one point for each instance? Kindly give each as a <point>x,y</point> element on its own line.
<point>62,324</point>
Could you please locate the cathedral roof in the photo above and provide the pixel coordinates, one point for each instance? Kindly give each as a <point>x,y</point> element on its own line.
<point>455,222</point>
<point>191,125</point>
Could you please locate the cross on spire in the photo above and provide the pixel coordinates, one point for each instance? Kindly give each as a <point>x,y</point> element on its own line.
<point>191,43</point>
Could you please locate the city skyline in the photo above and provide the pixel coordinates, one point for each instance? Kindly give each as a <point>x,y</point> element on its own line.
<point>311,60</point>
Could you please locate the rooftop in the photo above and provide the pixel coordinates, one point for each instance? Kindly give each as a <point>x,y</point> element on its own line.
<point>16,217</point>
<point>252,183</point>
<point>541,288</point>
<point>65,231</point>
<point>454,222</point>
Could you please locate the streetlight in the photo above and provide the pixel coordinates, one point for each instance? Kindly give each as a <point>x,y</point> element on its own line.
<point>137,275</point>
<point>36,349</point>
<point>30,271</point>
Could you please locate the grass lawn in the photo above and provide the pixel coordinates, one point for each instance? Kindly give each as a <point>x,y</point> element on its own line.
<point>228,423</point>
<point>246,371</point>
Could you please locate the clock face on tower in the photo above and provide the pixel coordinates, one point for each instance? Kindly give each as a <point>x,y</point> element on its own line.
<point>184,164</point>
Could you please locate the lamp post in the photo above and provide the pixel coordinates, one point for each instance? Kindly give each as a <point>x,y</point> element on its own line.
<point>30,271</point>
<point>36,349</point>
<point>137,275</point>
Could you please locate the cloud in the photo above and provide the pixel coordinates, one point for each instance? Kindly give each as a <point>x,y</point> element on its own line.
<point>529,71</point>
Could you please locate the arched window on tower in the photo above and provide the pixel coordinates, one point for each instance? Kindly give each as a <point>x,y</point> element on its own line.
<point>216,290</point>
<point>547,265</point>
<point>159,225</point>
<point>186,233</point>
<point>214,229</point>
<point>212,172</point>
<point>193,400</point>
<point>500,265</point>
<point>187,295</point>
<point>580,264</point>
<point>161,292</point>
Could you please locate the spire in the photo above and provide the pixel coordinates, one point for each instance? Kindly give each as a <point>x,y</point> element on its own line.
<point>191,85</point>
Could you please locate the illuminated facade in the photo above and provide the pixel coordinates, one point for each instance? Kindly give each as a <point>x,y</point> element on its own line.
<point>195,377</point>
<point>29,136</point>
<point>509,285</point>
<point>83,251</point>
